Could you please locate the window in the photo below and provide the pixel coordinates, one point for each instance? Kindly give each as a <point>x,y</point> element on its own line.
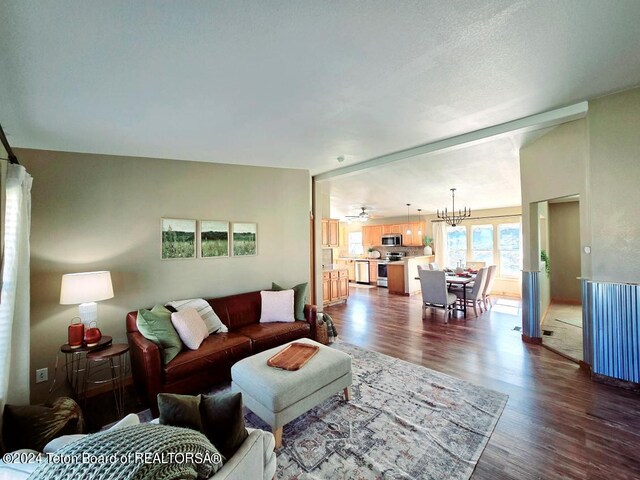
<point>482,243</point>
<point>510,249</point>
<point>355,243</point>
<point>456,245</point>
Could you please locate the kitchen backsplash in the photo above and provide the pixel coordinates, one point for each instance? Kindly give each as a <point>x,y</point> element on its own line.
<point>409,251</point>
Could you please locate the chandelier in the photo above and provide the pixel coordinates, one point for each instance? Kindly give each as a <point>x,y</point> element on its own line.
<point>454,218</point>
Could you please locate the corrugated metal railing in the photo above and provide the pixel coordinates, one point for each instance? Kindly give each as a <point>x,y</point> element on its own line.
<point>611,315</point>
<point>531,304</point>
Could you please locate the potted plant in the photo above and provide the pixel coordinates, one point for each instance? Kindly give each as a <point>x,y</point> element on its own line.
<point>373,253</point>
<point>428,245</point>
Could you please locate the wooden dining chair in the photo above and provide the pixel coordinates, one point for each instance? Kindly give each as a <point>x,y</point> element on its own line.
<point>433,285</point>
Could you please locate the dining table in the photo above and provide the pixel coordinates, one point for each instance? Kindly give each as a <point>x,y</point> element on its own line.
<point>459,279</point>
<point>463,281</point>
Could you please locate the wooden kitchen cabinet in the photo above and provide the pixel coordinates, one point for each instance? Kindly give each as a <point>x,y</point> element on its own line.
<point>350,265</point>
<point>395,278</point>
<point>373,272</point>
<point>335,286</point>
<point>371,235</point>
<point>330,232</point>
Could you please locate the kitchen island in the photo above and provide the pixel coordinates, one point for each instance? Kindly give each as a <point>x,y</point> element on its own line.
<point>402,274</point>
<point>335,284</point>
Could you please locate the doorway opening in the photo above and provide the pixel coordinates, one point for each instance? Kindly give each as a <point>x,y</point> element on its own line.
<point>560,272</point>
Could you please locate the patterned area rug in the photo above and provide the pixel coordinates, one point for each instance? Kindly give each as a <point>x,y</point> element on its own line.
<point>404,421</point>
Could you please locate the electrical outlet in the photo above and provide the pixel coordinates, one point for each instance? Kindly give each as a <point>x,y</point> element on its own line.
<point>42,375</point>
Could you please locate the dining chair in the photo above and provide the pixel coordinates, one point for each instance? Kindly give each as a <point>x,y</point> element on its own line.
<point>434,266</point>
<point>433,284</point>
<point>488,286</point>
<point>475,295</point>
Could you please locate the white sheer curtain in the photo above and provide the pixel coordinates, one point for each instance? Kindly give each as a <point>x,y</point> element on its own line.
<point>440,242</point>
<point>14,298</point>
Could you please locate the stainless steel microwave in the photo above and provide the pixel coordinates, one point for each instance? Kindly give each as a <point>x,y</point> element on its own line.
<point>392,240</point>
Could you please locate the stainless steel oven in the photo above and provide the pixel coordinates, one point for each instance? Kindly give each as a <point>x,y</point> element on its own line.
<point>391,240</point>
<point>382,274</point>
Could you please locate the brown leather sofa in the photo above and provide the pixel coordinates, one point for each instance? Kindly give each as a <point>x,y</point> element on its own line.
<point>193,371</point>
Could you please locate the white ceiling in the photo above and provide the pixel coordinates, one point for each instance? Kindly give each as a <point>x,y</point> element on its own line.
<point>297,84</point>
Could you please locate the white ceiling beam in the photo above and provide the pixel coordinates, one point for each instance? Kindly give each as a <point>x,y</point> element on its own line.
<point>521,125</point>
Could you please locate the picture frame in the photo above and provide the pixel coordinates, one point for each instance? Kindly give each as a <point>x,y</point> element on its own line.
<point>244,239</point>
<point>178,238</point>
<point>214,238</point>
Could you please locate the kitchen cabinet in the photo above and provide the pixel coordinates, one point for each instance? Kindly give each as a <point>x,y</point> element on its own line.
<point>335,286</point>
<point>395,278</point>
<point>330,232</point>
<point>373,272</point>
<point>351,268</point>
<point>371,235</point>
<point>392,228</point>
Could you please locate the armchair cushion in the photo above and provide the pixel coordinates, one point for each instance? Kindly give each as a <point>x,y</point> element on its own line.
<point>180,410</point>
<point>223,421</point>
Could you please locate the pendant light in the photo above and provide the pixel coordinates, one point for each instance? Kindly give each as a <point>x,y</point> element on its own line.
<point>456,217</point>
<point>419,223</point>
<point>408,225</point>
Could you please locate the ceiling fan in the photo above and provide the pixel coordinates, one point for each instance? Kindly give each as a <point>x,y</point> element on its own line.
<point>363,216</point>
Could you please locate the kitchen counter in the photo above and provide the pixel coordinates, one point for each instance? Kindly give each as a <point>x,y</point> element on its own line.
<point>333,267</point>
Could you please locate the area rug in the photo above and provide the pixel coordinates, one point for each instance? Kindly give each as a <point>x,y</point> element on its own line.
<point>404,421</point>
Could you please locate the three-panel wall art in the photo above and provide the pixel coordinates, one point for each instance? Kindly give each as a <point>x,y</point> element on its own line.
<point>183,238</point>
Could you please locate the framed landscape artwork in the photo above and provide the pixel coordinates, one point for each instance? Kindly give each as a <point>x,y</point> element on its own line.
<point>214,238</point>
<point>178,238</point>
<point>245,239</point>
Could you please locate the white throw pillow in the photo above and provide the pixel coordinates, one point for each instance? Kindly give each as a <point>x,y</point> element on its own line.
<point>211,320</point>
<point>190,327</point>
<point>277,306</point>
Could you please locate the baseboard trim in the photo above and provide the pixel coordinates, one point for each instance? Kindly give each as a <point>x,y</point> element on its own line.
<point>615,382</point>
<point>531,340</point>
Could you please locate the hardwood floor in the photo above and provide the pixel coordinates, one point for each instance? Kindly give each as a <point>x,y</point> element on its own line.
<point>557,424</point>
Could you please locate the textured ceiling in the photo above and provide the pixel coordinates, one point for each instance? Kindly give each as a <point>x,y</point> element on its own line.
<point>297,84</point>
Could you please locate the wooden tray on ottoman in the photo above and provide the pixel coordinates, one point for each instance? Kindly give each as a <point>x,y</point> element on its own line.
<point>293,357</point>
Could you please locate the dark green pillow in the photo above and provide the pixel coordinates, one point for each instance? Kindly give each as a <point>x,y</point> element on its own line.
<point>180,410</point>
<point>155,325</point>
<point>299,294</point>
<point>223,421</point>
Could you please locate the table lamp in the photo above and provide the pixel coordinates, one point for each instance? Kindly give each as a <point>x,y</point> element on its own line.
<point>85,289</point>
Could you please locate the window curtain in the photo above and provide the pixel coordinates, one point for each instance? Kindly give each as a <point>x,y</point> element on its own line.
<point>14,297</point>
<point>440,243</point>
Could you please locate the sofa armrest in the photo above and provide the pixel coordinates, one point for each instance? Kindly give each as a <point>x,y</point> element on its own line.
<point>248,461</point>
<point>311,315</point>
<point>146,367</point>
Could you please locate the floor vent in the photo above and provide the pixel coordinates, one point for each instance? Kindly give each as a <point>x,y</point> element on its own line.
<point>517,329</point>
<point>548,333</point>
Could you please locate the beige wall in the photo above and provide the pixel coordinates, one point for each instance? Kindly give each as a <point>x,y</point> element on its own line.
<point>598,158</point>
<point>554,166</point>
<point>564,251</point>
<point>94,212</point>
<point>614,145</point>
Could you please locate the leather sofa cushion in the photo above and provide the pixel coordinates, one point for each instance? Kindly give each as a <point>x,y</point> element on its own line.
<point>239,310</point>
<point>217,351</point>
<point>268,335</point>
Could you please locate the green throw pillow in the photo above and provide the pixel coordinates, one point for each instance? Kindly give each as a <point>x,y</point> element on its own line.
<point>180,410</point>
<point>299,293</point>
<point>223,421</point>
<point>155,325</point>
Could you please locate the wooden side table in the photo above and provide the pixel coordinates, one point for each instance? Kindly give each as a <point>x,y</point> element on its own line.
<point>75,365</point>
<point>114,358</point>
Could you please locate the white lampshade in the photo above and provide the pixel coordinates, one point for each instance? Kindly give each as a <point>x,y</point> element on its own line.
<point>85,287</point>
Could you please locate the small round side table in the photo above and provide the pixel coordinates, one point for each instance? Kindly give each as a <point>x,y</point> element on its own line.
<point>75,365</point>
<point>115,358</point>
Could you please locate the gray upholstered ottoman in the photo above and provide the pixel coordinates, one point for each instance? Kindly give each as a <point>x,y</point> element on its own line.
<point>278,396</point>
